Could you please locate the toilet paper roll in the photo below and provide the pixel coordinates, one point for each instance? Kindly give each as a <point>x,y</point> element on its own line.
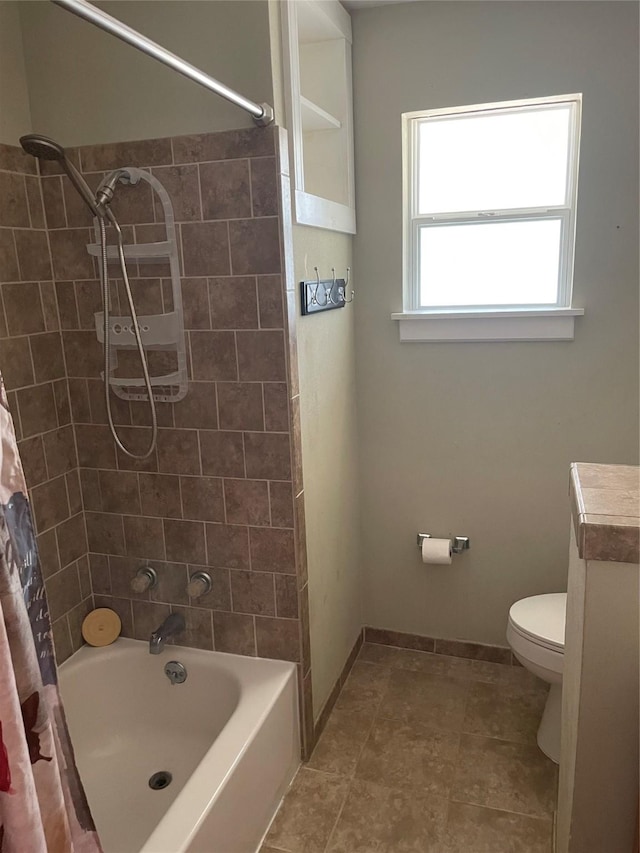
<point>436,552</point>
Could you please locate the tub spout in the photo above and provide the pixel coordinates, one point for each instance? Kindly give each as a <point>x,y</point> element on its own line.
<point>172,625</point>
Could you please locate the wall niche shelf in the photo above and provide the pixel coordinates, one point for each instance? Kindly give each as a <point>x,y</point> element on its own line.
<point>317,68</point>
<point>314,118</point>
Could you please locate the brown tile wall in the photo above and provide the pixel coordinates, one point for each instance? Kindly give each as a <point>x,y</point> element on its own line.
<point>217,493</point>
<point>33,365</point>
<point>223,490</point>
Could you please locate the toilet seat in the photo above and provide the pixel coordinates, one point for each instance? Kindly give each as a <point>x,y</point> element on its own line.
<point>540,619</point>
<point>545,662</point>
<point>535,632</point>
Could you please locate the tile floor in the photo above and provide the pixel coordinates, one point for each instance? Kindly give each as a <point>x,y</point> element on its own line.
<point>424,753</point>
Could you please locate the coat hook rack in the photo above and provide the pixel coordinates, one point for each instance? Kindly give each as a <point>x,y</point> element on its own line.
<point>317,295</point>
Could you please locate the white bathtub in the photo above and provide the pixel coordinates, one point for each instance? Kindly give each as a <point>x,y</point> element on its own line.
<point>228,735</point>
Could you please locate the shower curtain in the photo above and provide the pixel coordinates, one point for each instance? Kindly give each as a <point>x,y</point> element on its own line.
<point>43,808</point>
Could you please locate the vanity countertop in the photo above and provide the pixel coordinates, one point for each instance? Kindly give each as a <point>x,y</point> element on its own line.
<point>605,504</point>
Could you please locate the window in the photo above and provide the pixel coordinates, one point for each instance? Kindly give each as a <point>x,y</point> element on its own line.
<point>489,207</point>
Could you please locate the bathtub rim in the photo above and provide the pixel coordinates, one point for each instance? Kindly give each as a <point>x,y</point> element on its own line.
<point>185,816</point>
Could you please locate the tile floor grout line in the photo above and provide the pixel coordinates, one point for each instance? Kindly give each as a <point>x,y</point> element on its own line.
<point>453,799</point>
<point>446,817</point>
<point>501,739</point>
<point>547,819</point>
<point>338,816</point>
<point>305,766</point>
<point>374,720</point>
<point>456,760</point>
<point>347,711</point>
<point>350,780</point>
<point>302,766</point>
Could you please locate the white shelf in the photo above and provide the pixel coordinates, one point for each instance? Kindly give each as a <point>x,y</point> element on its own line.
<point>321,21</point>
<point>139,382</point>
<point>142,252</point>
<point>317,76</point>
<point>315,118</point>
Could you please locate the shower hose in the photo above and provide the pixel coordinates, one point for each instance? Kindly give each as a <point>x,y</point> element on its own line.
<point>107,337</point>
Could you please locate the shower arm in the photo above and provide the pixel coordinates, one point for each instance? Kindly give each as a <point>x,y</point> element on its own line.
<point>262,114</point>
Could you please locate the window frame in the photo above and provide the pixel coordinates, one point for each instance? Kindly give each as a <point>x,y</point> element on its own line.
<point>413,222</point>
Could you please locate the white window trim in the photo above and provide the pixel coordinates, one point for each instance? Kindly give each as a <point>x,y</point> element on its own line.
<point>487,323</point>
<point>532,324</point>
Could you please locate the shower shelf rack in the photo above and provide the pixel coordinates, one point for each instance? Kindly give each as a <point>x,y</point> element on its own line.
<point>142,252</point>
<point>158,332</point>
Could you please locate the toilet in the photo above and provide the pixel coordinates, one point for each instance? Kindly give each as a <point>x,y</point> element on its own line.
<point>535,633</point>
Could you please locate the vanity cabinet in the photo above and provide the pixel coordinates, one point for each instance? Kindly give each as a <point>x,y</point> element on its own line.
<point>598,786</point>
<point>318,95</point>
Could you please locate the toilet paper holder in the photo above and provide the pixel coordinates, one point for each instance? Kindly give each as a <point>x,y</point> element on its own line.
<point>458,543</point>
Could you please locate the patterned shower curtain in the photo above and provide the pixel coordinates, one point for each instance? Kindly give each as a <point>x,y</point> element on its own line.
<point>43,808</point>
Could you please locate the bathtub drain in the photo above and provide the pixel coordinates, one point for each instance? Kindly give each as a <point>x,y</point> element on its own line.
<point>160,780</point>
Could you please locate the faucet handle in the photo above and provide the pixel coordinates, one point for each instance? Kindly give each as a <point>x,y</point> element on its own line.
<point>199,584</point>
<point>144,579</point>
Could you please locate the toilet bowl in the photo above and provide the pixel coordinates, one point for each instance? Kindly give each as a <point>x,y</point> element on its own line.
<point>535,633</point>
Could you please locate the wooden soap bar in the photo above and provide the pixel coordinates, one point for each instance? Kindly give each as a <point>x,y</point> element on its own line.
<point>101,627</point>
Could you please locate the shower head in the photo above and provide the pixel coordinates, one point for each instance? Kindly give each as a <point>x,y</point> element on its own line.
<point>42,147</point>
<point>47,149</point>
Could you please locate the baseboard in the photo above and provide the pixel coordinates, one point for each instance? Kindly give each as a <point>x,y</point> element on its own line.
<point>454,648</point>
<point>327,708</point>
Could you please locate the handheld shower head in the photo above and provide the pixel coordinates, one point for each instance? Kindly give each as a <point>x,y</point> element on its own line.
<point>47,149</point>
<point>42,147</point>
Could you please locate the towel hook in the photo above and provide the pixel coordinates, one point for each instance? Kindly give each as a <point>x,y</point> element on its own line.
<point>314,298</point>
<point>333,285</point>
<point>346,285</point>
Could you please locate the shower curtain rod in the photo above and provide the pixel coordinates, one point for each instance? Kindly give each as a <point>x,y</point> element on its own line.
<point>262,114</point>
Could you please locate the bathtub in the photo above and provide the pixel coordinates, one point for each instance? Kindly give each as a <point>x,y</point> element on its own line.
<point>228,735</point>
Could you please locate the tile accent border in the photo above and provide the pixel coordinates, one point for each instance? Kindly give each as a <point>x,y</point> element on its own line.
<point>453,648</point>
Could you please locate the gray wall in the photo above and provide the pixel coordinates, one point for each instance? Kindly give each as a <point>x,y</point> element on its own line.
<point>15,118</point>
<point>326,348</point>
<point>326,358</point>
<point>86,87</point>
<point>477,438</point>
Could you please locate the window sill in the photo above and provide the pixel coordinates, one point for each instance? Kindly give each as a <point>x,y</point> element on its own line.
<point>548,324</point>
